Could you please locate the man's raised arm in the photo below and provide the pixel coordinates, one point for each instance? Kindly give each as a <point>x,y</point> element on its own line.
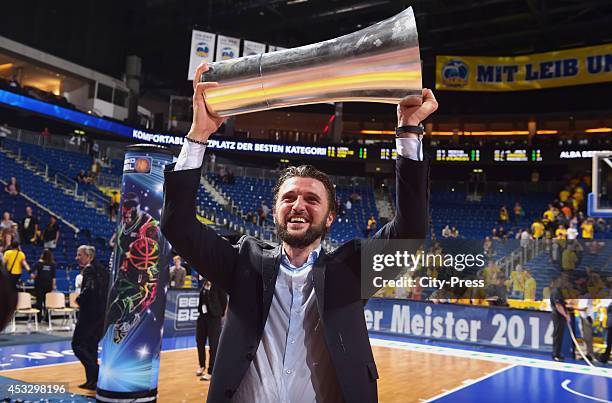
<point>214,257</point>
<point>412,172</point>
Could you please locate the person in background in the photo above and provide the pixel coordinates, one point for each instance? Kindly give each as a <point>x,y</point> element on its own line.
<point>8,298</point>
<point>90,324</point>
<point>585,308</point>
<point>504,217</point>
<point>6,222</point>
<point>12,187</point>
<point>14,262</point>
<point>588,229</point>
<point>44,279</point>
<point>518,212</point>
<point>517,281</point>
<point>603,358</point>
<point>177,273</point>
<point>113,207</point>
<point>51,234</point>
<point>537,229</point>
<point>4,132</point>
<point>530,286</point>
<point>29,227</point>
<point>211,306</point>
<point>559,317</point>
<point>446,231</point>
<point>371,226</point>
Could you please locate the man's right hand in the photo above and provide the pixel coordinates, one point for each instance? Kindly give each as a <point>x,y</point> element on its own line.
<point>204,124</point>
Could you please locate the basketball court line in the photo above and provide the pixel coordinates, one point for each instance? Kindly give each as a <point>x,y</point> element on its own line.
<point>495,357</point>
<point>188,342</point>
<point>467,383</point>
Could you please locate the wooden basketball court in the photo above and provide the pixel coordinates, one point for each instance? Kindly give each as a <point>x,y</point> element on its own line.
<point>405,376</point>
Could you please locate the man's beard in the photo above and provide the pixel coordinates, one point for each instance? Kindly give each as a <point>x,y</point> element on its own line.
<point>313,233</point>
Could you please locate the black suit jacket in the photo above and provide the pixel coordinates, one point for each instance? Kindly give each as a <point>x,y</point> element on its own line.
<point>248,270</point>
<point>215,300</point>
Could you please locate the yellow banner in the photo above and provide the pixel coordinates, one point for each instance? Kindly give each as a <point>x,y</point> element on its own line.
<point>530,72</point>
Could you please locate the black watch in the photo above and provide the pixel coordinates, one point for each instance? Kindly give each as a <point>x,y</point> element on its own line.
<point>419,129</point>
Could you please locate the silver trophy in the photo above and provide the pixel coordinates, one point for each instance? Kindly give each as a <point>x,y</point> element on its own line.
<point>380,63</point>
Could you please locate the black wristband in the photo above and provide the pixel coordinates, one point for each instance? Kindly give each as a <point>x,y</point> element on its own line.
<point>203,143</point>
<point>418,129</point>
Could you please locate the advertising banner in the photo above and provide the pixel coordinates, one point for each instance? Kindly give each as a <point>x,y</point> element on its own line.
<point>530,72</point>
<point>202,50</point>
<point>140,266</point>
<point>253,48</point>
<point>486,326</point>
<point>227,48</point>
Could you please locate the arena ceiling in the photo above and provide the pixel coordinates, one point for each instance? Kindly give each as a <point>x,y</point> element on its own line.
<point>99,34</point>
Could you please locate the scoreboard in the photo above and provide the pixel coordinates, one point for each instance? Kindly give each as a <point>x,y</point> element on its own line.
<point>517,155</point>
<point>452,155</point>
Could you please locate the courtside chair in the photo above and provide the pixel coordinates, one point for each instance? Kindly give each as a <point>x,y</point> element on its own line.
<point>24,307</point>
<point>56,303</point>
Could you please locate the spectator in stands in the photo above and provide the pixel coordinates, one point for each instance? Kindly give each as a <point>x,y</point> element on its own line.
<point>566,211</point>
<point>14,262</point>
<point>94,171</point>
<point>5,131</point>
<point>51,233</point>
<point>454,232</point>
<point>113,207</point>
<point>561,233</point>
<point>15,232</point>
<point>495,235</point>
<point>370,226</point>
<point>265,209</point>
<point>503,215</point>
<point>348,206</point>
<point>6,222</point>
<point>564,195</point>
<point>29,227</point>
<point>446,231</point>
<point>572,232</point>
<point>569,258</point>
<point>517,282</point>
<point>81,177</point>
<point>537,229</point>
<point>44,279</point>
<point>46,136</point>
<point>555,252</point>
<point>490,272</point>
<point>355,197</point>
<point>487,247</point>
<point>90,325</point>
<point>12,187</point>
<point>530,286</point>
<point>502,233</point>
<point>588,229</point>
<point>177,273</point>
<point>6,238</point>
<point>496,292</point>
<point>518,212</point>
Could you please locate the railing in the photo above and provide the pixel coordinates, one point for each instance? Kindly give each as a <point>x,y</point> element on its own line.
<point>37,164</point>
<point>95,200</point>
<point>521,255</point>
<point>107,180</point>
<point>67,183</point>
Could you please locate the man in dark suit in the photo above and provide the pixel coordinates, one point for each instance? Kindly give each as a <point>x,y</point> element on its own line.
<point>211,307</point>
<point>90,324</point>
<point>295,328</point>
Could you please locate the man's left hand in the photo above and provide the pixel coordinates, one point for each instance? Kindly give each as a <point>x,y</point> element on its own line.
<point>412,110</point>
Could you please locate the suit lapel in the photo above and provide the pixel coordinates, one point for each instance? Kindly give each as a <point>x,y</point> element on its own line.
<point>270,262</point>
<point>318,271</point>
